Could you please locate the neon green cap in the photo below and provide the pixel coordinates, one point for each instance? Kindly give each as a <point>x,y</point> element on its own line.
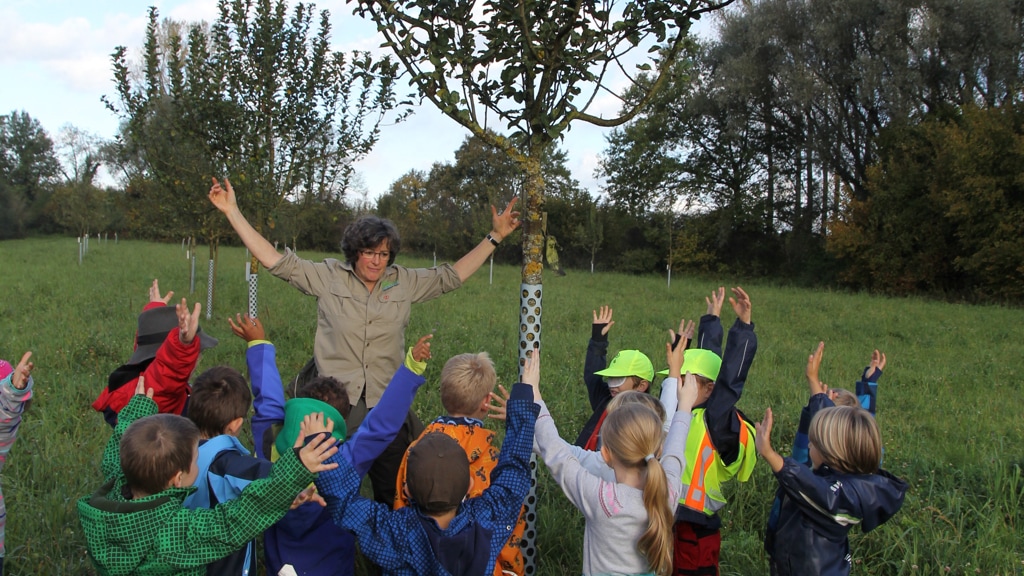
<point>629,363</point>
<point>700,362</point>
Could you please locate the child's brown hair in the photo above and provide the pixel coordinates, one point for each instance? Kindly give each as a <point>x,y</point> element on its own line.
<point>328,390</point>
<point>847,439</point>
<point>219,396</point>
<point>155,448</point>
<point>466,381</point>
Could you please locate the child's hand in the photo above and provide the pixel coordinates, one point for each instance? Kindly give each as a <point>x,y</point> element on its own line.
<point>154,293</point>
<point>740,304</point>
<point>497,407</point>
<point>603,319</point>
<point>686,392</point>
<point>421,350</point>
<point>676,346</point>
<point>763,442</point>
<point>873,371</point>
<point>319,448</point>
<point>141,389</point>
<point>315,423</point>
<point>247,328</point>
<point>531,371</point>
<point>188,322</point>
<point>715,301</point>
<point>19,378</point>
<point>763,435</point>
<point>308,495</point>
<point>813,365</point>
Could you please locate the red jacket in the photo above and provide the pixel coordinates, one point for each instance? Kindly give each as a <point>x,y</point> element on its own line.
<point>167,375</point>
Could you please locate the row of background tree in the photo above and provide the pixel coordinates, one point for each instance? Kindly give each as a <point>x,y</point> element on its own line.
<point>872,143</point>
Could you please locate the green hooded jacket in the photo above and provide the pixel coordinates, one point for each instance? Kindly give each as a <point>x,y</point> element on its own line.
<point>156,535</point>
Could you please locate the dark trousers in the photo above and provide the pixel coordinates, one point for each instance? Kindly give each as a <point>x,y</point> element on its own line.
<point>384,471</point>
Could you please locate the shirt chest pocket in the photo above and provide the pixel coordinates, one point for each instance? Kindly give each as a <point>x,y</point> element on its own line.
<point>390,307</point>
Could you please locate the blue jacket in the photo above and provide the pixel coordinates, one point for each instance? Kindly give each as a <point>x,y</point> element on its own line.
<point>815,509</point>
<point>406,542</point>
<point>225,469</point>
<point>306,537</point>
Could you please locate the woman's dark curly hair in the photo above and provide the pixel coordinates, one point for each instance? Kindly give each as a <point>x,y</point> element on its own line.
<point>367,233</point>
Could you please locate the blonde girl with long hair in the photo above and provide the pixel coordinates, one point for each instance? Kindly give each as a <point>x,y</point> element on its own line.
<point>628,519</point>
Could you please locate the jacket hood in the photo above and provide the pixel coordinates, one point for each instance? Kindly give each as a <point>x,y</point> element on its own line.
<point>463,548</point>
<point>880,496</point>
<point>112,524</point>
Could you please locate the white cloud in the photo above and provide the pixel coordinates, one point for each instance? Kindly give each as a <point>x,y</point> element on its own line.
<point>73,50</point>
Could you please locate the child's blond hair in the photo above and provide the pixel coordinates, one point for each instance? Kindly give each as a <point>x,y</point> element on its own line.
<point>847,439</point>
<point>466,381</point>
<point>155,448</point>
<point>632,433</point>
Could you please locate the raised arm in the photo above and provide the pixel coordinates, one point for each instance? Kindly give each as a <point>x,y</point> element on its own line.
<point>502,224</point>
<point>597,357</point>
<point>223,198</point>
<point>867,386</point>
<point>674,351</point>
<point>267,389</point>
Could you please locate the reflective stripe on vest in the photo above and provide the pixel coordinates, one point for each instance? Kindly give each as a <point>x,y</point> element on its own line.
<point>704,473</point>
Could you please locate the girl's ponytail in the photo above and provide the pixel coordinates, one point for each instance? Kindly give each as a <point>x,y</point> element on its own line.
<point>656,542</point>
<point>633,434</point>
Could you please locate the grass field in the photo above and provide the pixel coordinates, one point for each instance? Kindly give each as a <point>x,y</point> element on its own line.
<point>950,401</point>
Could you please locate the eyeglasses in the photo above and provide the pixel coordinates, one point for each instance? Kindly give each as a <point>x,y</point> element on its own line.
<point>370,254</point>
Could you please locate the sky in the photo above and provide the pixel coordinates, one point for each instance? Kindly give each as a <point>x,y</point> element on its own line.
<point>55,64</point>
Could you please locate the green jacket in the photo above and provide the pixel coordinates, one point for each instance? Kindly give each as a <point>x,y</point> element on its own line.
<point>156,535</point>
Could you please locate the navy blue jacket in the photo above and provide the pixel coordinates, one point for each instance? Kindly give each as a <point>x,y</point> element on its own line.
<point>597,388</point>
<point>807,532</point>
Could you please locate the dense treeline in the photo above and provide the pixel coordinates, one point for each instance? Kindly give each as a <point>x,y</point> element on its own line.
<point>875,144</point>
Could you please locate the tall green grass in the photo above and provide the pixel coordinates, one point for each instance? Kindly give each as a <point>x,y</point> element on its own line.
<point>949,403</point>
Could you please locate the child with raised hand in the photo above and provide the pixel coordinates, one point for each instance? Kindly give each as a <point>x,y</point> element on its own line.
<point>443,531</point>
<point>629,370</point>
<point>168,341</point>
<point>664,407</point>
<point>720,443</point>
<point>135,523</point>
<point>819,505</point>
<point>15,394</point>
<point>297,539</point>
<point>866,396</point>
<point>467,389</point>
<point>628,519</point>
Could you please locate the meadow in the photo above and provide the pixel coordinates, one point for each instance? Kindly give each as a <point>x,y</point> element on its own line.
<point>950,401</point>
